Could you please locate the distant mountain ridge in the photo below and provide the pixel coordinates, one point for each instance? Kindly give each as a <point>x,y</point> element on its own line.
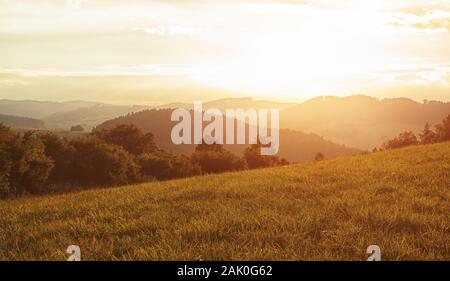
<point>89,117</point>
<point>63,115</point>
<point>231,103</point>
<point>361,121</point>
<point>21,122</point>
<point>358,121</point>
<point>32,108</point>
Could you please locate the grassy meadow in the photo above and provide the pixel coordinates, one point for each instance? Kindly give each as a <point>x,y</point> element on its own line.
<point>326,210</point>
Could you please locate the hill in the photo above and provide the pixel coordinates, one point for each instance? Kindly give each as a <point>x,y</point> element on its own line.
<point>361,121</point>
<point>327,210</point>
<point>358,121</point>
<point>295,146</point>
<point>223,104</point>
<point>32,108</point>
<point>90,116</point>
<point>21,122</point>
<point>63,115</point>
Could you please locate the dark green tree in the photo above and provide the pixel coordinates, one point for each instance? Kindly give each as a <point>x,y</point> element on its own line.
<point>62,153</point>
<point>129,137</point>
<point>427,136</point>
<point>319,156</point>
<point>163,165</point>
<point>99,163</point>
<point>404,139</point>
<point>31,166</point>
<point>443,130</point>
<point>254,159</point>
<point>215,159</point>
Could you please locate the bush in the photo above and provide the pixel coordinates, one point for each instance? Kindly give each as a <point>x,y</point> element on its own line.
<point>428,136</point>
<point>443,130</point>
<point>77,128</point>
<point>319,156</point>
<point>100,163</point>
<point>62,153</point>
<point>183,167</point>
<point>129,137</point>
<point>31,167</point>
<point>6,140</point>
<point>163,165</point>
<point>215,159</point>
<point>254,159</point>
<point>404,139</point>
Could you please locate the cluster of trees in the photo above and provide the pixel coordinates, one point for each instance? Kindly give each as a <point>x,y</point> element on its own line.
<point>39,163</point>
<point>440,133</point>
<point>24,166</point>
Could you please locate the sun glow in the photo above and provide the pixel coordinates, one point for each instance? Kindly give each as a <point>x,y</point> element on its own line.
<point>285,50</point>
<point>315,52</point>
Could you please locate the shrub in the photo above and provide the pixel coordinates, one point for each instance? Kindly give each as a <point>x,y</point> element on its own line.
<point>215,159</point>
<point>129,137</point>
<point>254,159</point>
<point>319,156</point>
<point>77,128</point>
<point>443,130</point>
<point>428,136</point>
<point>100,163</point>
<point>404,139</point>
<point>6,140</point>
<point>62,154</point>
<point>164,165</point>
<point>31,167</point>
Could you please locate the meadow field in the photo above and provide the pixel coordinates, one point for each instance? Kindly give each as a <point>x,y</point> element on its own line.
<point>325,210</point>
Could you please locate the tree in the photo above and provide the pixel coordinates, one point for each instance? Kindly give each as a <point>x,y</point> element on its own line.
<point>164,165</point>
<point>254,159</point>
<point>215,159</point>
<point>77,128</point>
<point>319,156</point>
<point>155,165</point>
<point>129,137</point>
<point>62,153</point>
<point>7,138</point>
<point>428,136</point>
<point>443,130</point>
<point>404,139</point>
<point>31,166</point>
<point>182,166</point>
<point>100,163</point>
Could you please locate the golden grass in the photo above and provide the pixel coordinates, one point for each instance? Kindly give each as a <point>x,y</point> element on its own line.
<point>329,210</point>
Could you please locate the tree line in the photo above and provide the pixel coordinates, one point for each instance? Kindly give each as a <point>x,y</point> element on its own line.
<point>429,135</point>
<point>39,163</point>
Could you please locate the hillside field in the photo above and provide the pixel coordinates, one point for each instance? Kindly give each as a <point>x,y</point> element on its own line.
<point>327,210</point>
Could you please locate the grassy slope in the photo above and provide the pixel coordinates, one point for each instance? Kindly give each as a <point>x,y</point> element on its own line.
<point>334,209</point>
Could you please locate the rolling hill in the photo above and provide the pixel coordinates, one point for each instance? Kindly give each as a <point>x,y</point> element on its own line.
<point>295,146</point>
<point>35,109</point>
<point>223,104</point>
<point>89,117</point>
<point>21,122</point>
<point>327,210</point>
<point>358,121</point>
<point>361,121</point>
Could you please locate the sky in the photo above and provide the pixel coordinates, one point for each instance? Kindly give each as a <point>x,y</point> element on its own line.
<point>184,50</point>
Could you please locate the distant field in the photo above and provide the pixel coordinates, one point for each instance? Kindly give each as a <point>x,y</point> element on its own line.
<point>329,210</point>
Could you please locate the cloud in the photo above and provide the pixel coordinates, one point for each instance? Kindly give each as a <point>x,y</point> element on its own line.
<point>12,82</point>
<point>169,30</point>
<point>431,18</point>
<point>420,74</point>
<point>103,71</point>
